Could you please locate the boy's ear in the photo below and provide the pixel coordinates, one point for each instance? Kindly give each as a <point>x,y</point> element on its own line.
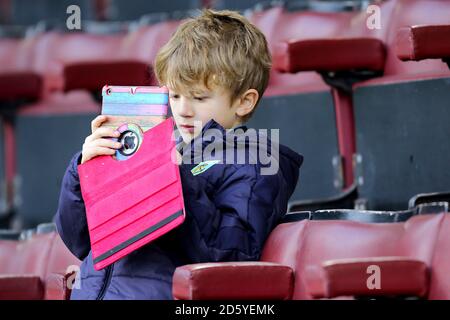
<point>247,102</point>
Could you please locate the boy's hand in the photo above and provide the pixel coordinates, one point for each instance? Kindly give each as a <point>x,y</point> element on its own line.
<point>98,143</point>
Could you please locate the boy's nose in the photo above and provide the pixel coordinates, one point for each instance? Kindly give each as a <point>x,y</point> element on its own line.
<point>185,108</point>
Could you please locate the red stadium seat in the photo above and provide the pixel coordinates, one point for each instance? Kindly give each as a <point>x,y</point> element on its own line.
<point>36,268</point>
<point>69,113</point>
<point>411,258</point>
<point>143,43</point>
<point>387,110</point>
<point>79,64</point>
<point>39,69</point>
<point>301,104</point>
<point>363,117</point>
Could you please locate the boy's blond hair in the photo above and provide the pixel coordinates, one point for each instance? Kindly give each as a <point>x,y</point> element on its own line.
<point>219,48</point>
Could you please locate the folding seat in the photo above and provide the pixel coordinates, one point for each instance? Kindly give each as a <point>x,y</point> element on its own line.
<point>394,158</point>
<point>403,259</point>
<point>313,54</point>
<point>302,106</point>
<point>143,43</point>
<point>401,118</point>
<point>32,71</point>
<point>51,130</point>
<point>418,43</point>
<point>60,122</point>
<point>419,264</point>
<point>62,269</point>
<point>37,268</point>
<point>331,259</point>
<point>7,254</point>
<point>18,84</point>
<point>24,267</point>
<point>300,260</point>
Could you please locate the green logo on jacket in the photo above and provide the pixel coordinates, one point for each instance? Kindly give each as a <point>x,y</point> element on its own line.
<point>203,166</point>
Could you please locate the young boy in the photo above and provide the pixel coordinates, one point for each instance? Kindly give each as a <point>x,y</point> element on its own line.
<point>216,68</point>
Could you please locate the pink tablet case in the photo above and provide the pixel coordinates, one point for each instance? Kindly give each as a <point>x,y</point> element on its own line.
<point>131,203</point>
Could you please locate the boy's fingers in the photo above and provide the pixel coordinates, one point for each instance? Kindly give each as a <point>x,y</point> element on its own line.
<point>106,143</point>
<point>97,122</point>
<point>92,152</point>
<point>103,151</point>
<point>104,132</point>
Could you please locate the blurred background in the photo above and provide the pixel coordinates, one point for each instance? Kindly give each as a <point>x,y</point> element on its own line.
<point>25,13</point>
<point>373,127</point>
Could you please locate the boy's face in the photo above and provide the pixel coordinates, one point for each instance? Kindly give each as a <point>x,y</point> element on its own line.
<point>194,109</point>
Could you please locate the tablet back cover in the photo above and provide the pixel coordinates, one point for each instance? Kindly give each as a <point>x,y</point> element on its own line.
<point>133,202</point>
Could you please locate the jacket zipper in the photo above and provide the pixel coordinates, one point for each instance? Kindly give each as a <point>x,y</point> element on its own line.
<point>108,276</point>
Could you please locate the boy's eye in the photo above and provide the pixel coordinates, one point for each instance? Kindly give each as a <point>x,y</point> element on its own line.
<point>174,96</point>
<point>200,98</point>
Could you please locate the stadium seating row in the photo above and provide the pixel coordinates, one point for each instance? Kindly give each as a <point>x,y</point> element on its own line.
<point>332,259</point>
<point>57,119</point>
<point>301,260</point>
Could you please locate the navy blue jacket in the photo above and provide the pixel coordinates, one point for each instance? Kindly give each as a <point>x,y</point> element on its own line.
<point>230,211</point>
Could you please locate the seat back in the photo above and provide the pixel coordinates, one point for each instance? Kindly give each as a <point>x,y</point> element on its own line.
<point>301,105</point>
<point>30,256</point>
<point>326,240</point>
<point>61,260</point>
<point>60,121</point>
<point>143,43</point>
<point>404,13</point>
<point>9,48</point>
<point>7,252</point>
<point>42,255</point>
<point>307,244</point>
<point>48,134</point>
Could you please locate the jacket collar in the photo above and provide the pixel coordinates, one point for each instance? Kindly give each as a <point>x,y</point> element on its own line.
<point>203,137</point>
